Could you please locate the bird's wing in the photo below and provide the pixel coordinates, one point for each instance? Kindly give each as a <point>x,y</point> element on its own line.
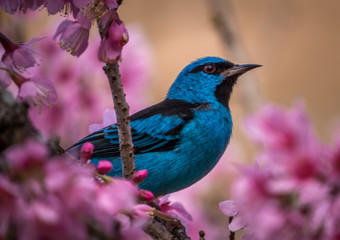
<point>153,129</point>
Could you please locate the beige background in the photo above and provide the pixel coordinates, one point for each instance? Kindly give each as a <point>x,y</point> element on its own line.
<point>297,42</point>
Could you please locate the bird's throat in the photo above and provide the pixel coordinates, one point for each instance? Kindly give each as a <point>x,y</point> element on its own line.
<point>223,91</point>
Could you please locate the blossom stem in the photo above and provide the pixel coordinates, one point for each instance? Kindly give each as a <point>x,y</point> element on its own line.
<point>6,43</point>
<point>231,234</point>
<point>122,112</point>
<point>17,79</point>
<point>123,119</point>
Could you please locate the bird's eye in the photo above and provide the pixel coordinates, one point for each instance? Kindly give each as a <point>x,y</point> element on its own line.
<point>209,68</point>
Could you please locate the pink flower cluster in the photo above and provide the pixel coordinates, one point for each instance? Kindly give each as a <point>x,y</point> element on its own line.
<point>175,209</point>
<point>15,60</point>
<point>81,82</point>
<point>45,197</point>
<point>296,193</point>
<point>74,35</point>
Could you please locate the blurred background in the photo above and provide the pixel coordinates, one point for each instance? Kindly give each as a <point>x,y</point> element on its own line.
<point>295,41</point>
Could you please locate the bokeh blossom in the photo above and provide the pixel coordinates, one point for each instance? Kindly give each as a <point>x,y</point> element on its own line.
<point>295,193</point>
<point>12,6</point>
<point>174,208</point>
<point>18,56</point>
<point>45,197</point>
<point>38,91</point>
<point>109,117</point>
<point>74,35</point>
<point>230,208</point>
<point>81,82</point>
<point>15,61</point>
<point>67,6</point>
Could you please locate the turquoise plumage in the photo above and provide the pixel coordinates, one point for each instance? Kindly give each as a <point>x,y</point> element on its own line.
<point>180,139</point>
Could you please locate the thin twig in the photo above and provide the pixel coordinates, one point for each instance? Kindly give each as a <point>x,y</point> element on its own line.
<point>201,235</point>
<point>122,112</point>
<point>231,234</point>
<point>123,119</point>
<point>172,224</point>
<point>156,230</point>
<point>167,223</point>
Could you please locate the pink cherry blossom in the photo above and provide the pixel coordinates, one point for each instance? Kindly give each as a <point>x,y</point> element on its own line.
<point>109,117</point>
<point>104,166</point>
<point>68,6</point>
<point>230,209</point>
<point>40,199</point>
<point>175,209</point>
<point>288,139</point>
<point>11,6</point>
<point>142,210</point>
<point>86,151</point>
<point>19,56</point>
<point>112,4</point>
<point>295,194</point>
<point>139,176</point>
<point>112,43</point>
<point>39,91</point>
<point>74,35</point>
<point>25,156</point>
<point>145,195</point>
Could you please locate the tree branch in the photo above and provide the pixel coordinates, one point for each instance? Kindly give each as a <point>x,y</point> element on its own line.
<point>15,125</point>
<point>224,19</point>
<point>231,234</point>
<point>123,119</point>
<point>156,230</point>
<point>122,112</point>
<point>201,235</point>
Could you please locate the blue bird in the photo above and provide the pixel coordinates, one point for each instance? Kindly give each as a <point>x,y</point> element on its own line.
<point>180,139</point>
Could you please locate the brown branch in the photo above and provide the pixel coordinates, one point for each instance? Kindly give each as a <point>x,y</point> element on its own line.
<point>122,111</point>
<point>231,234</point>
<point>156,230</point>
<point>201,235</point>
<point>168,228</point>
<point>123,119</point>
<point>163,222</point>
<point>15,126</point>
<point>225,22</point>
<point>172,224</point>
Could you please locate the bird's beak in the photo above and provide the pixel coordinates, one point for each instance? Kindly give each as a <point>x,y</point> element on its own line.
<point>239,69</point>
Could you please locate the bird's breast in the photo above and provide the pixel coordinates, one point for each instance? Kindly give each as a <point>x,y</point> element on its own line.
<point>205,138</point>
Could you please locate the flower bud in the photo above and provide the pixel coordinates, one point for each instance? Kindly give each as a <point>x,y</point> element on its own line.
<point>104,167</point>
<point>145,195</point>
<point>139,176</point>
<point>86,152</point>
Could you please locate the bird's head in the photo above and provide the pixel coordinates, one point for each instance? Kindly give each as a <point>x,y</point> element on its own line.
<point>208,79</point>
